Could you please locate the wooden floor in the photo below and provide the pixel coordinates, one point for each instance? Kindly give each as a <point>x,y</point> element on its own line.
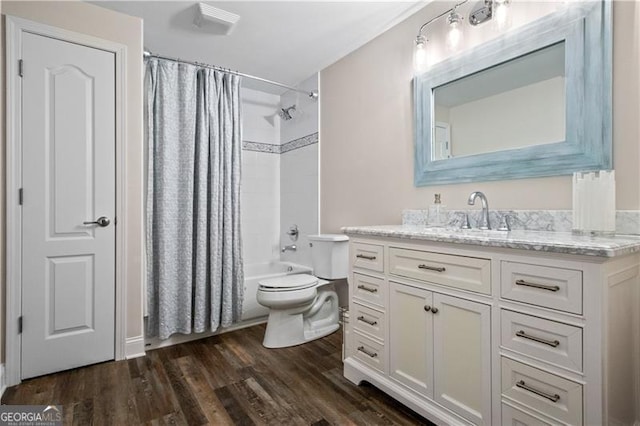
<point>225,379</point>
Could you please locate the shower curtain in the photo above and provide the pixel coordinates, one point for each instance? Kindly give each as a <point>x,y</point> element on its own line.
<point>194,251</point>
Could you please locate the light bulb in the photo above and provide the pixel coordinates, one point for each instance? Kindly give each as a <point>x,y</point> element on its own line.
<point>420,54</point>
<point>455,31</point>
<point>501,14</point>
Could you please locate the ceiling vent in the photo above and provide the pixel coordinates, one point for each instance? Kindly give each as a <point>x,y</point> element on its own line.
<point>214,20</point>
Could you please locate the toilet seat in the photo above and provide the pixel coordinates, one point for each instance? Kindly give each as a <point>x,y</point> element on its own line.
<point>288,283</point>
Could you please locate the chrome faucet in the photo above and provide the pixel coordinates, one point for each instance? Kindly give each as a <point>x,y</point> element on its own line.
<point>484,219</point>
<point>291,247</point>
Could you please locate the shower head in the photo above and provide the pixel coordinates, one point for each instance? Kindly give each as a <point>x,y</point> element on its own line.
<point>287,113</point>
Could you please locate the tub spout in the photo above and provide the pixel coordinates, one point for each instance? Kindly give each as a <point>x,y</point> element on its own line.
<point>291,247</point>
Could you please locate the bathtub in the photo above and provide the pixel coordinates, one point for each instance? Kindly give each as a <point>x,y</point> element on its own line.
<point>256,272</point>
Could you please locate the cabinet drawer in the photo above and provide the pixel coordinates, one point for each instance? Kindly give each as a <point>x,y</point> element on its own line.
<point>513,417</point>
<point>369,289</point>
<point>541,391</point>
<point>369,352</point>
<point>553,288</point>
<point>551,341</point>
<point>368,256</point>
<point>467,273</point>
<point>368,321</point>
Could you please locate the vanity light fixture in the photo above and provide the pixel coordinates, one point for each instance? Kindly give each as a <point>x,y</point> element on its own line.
<point>420,54</point>
<point>484,11</point>
<point>481,13</point>
<point>501,12</point>
<point>455,31</point>
<point>420,48</point>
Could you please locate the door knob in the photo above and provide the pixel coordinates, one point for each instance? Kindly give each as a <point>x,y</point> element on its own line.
<point>101,221</point>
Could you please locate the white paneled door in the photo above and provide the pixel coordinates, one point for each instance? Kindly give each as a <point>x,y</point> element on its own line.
<point>68,230</point>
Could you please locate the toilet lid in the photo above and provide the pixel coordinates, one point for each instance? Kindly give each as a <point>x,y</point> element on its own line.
<point>289,282</point>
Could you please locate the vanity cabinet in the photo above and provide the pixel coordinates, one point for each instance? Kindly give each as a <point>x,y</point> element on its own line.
<point>411,337</point>
<point>439,347</point>
<point>468,334</point>
<point>462,357</point>
<point>462,272</point>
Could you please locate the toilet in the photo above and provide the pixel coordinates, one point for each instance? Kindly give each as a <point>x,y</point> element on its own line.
<point>304,307</point>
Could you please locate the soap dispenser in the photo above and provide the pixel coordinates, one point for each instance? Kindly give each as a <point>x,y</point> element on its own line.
<point>437,213</point>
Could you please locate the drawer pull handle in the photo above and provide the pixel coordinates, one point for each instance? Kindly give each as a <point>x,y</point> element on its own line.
<point>432,268</point>
<point>540,286</point>
<point>366,321</point>
<point>369,289</point>
<point>366,352</point>
<point>521,384</point>
<point>364,256</point>
<point>524,335</point>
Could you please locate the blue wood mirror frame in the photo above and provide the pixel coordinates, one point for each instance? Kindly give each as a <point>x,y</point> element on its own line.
<point>585,29</point>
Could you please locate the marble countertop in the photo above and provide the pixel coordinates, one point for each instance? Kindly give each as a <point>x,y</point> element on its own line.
<point>543,241</point>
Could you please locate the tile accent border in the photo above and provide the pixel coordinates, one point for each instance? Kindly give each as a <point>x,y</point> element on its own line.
<point>260,147</point>
<point>299,143</point>
<point>627,221</point>
<point>280,149</point>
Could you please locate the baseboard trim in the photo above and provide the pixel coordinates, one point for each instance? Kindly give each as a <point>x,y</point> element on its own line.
<point>357,373</point>
<point>134,347</point>
<point>3,381</point>
<point>155,343</point>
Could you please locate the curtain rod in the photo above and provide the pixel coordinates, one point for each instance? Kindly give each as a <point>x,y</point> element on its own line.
<point>313,94</point>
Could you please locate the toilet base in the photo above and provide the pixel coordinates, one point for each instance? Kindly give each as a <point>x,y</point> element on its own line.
<point>317,334</point>
<point>297,326</point>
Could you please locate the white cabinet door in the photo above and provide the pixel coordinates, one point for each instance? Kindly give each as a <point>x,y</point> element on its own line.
<point>68,270</point>
<point>462,351</point>
<point>411,337</point>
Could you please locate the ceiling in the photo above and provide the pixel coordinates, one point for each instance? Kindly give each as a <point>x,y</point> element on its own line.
<point>285,41</point>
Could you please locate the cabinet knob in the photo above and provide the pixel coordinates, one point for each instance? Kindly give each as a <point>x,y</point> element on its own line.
<point>434,310</point>
<point>427,308</point>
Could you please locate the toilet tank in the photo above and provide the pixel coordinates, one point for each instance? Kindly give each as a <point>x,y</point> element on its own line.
<point>329,255</point>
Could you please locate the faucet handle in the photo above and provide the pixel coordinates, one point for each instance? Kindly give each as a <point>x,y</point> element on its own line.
<point>465,222</point>
<point>293,232</point>
<point>504,224</point>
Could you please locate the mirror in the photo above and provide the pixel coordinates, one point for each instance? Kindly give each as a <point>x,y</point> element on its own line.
<point>530,103</point>
<point>516,104</point>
